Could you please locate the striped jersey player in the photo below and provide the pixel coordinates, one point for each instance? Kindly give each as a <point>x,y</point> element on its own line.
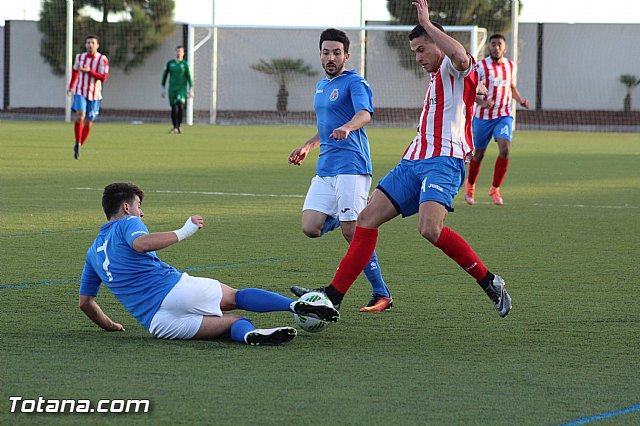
<point>494,116</point>
<point>90,71</point>
<point>432,168</point>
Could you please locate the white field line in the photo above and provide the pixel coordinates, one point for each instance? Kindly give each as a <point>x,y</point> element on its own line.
<point>248,194</point>
<point>236,194</point>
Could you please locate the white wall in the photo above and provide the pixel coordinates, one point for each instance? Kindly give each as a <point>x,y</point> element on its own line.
<point>582,64</point>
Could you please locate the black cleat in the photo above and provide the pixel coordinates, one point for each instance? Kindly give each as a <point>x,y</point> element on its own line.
<point>76,151</point>
<point>270,336</point>
<point>300,291</point>
<point>316,309</point>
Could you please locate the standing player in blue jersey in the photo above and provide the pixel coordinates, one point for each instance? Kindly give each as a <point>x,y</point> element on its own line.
<point>340,189</point>
<point>170,304</point>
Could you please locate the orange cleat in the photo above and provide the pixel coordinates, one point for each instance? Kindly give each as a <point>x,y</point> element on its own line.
<point>495,196</point>
<point>378,303</point>
<point>469,192</point>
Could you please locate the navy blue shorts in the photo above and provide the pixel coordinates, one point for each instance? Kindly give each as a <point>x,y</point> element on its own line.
<point>413,182</point>
<point>498,128</point>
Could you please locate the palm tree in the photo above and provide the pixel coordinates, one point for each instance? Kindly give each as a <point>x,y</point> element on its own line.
<point>630,81</point>
<point>283,70</point>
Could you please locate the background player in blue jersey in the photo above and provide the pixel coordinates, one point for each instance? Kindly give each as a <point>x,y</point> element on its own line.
<point>170,304</point>
<point>340,189</point>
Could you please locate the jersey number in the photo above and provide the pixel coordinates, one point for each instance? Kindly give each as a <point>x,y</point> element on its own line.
<point>105,264</point>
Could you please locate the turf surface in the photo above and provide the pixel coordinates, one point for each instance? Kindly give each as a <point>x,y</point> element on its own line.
<point>566,242</point>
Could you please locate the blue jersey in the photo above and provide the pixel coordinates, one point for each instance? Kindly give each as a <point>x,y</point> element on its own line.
<point>140,281</point>
<point>336,102</point>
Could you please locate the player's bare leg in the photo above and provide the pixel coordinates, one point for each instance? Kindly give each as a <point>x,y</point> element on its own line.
<point>240,328</point>
<point>213,326</point>
<point>313,222</point>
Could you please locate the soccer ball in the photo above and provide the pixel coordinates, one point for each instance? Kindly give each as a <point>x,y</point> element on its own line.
<point>312,324</point>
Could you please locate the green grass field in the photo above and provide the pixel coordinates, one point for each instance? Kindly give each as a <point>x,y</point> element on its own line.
<point>566,241</point>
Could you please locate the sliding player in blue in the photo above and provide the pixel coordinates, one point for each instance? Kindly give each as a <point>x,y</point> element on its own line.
<point>170,304</point>
<point>339,191</point>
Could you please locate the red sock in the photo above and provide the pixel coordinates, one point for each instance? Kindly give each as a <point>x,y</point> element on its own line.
<point>85,134</point>
<point>474,169</point>
<point>454,246</point>
<point>500,171</point>
<point>360,251</point>
<point>77,130</point>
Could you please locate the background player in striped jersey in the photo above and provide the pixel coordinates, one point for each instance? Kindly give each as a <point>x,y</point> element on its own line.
<point>339,191</point>
<point>432,169</point>
<point>90,70</point>
<point>493,116</point>
<point>179,78</point>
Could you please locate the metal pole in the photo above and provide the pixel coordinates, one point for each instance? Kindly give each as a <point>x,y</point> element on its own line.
<point>514,46</point>
<point>474,43</point>
<point>213,108</point>
<point>69,60</point>
<point>363,41</point>
<point>190,60</point>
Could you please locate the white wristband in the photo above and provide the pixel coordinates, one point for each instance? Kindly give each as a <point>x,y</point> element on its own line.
<point>187,230</point>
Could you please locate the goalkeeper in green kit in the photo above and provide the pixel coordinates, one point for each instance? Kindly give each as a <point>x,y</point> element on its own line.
<point>179,78</point>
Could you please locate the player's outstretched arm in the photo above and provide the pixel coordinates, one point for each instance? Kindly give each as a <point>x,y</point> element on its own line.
<point>450,46</point>
<point>92,310</point>
<point>298,155</point>
<point>160,240</point>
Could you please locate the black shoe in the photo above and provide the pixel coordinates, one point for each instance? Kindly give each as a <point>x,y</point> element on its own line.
<point>316,309</point>
<point>300,291</point>
<point>76,151</point>
<point>270,336</point>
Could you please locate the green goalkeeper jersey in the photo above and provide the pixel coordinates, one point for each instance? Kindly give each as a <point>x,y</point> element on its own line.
<point>179,76</point>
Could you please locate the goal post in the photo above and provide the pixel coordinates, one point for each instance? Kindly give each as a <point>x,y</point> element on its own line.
<point>218,55</point>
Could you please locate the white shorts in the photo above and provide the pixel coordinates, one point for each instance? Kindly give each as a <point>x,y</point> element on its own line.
<point>344,196</point>
<point>182,310</point>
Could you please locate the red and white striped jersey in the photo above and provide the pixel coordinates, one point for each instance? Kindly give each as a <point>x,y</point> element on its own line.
<point>498,77</point>
<point>445,122</point>
<point>89,84</point>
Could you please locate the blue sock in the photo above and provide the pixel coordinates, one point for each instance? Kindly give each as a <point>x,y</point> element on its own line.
<point>330,224</point>
<point>240,328</point>
<point>374,275</point>
<point>259,300</point>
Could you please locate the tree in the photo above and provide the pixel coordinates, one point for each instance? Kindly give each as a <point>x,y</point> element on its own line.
<point>282,70</point>
<point>140,28</point>
<point>630,81</point>
<point>494,15</point>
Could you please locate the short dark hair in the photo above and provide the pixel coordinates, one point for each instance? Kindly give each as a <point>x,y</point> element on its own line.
<point>179,47</point>
<point>419,31</point>
<point>117,193</point>
<point>498,36</point>
<point>93,36</point>
<point>333,34</point>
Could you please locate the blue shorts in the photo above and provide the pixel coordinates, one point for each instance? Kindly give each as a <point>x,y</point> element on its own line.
<point>413,182</point>
<point>91,108</point>
<point>483,130</point>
